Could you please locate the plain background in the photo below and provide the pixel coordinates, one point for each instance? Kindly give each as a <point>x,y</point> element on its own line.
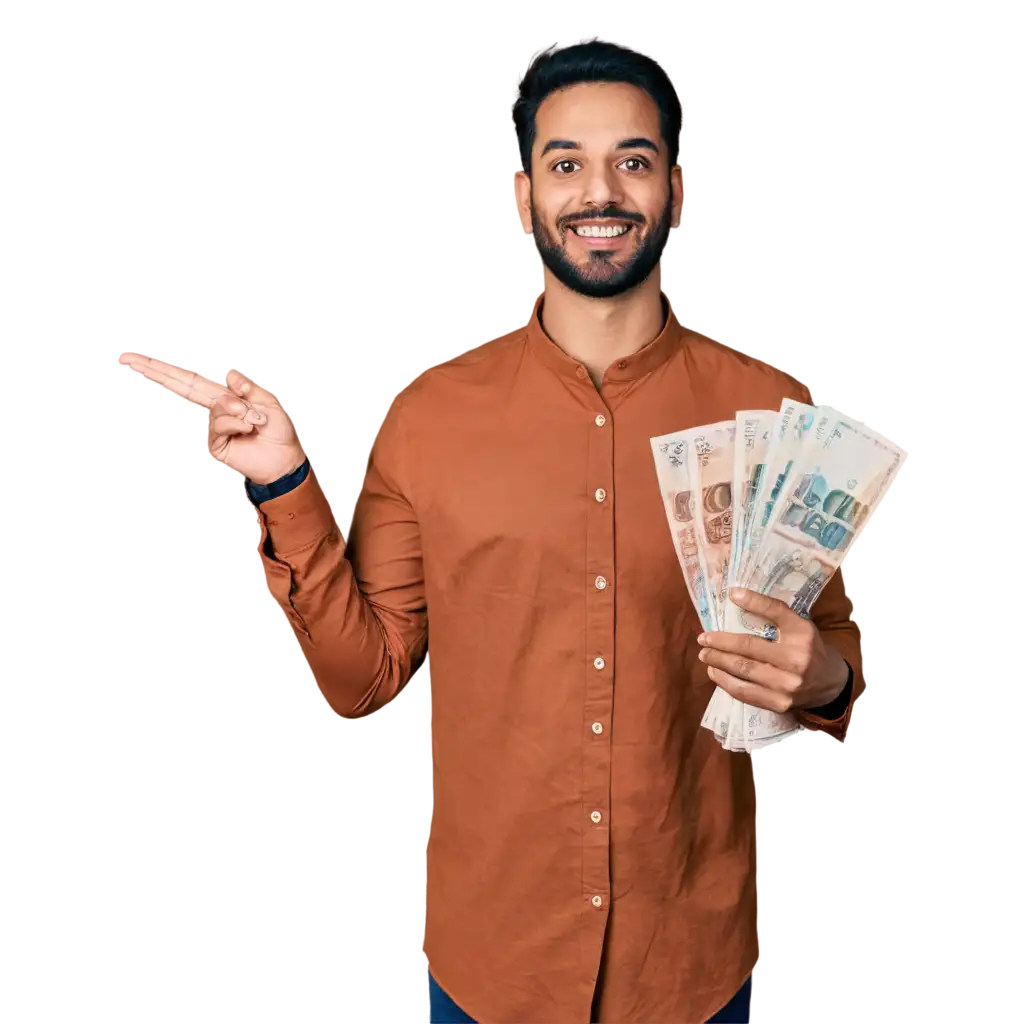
<point>183,836</point>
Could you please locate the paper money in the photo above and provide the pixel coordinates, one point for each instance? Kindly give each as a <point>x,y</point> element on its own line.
<point>672,464</point>
<point>792,422</point>
<point>842,474</point>
<point>772,501</point>
<point>717,713</point>
<point>734,739</point>
<point>711,455</point>
<point>754,429</point>
<point>837,484</point>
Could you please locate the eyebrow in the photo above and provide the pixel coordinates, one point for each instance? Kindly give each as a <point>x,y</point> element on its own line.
<point>636,143</point>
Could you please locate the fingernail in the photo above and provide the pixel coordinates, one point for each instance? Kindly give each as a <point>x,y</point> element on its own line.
<point>738,593</point>
<point>245,387</point>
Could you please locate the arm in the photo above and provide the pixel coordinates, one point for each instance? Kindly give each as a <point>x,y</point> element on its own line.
<point>812,659</point>
<point>358,609</point>
<point>830,613</point>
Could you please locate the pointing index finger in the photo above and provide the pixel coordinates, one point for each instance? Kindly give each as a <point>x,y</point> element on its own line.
<point>186,383</point>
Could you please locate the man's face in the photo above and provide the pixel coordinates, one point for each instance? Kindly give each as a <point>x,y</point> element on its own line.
<point>600,183</point>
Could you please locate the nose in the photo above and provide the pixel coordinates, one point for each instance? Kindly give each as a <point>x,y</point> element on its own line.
<point>601,187</point>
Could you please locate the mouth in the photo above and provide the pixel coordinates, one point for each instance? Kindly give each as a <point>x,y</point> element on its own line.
<point>606,234</point>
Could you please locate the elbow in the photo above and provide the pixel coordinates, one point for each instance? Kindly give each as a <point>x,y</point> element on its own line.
<point>350,701</point>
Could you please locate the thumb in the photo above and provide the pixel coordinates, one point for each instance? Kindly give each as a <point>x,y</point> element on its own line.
<point>249,389</point>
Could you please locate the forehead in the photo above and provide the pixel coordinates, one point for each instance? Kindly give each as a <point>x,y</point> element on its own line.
<point>597,114</point>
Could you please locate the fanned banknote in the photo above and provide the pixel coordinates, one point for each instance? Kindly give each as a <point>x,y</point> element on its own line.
<point>672,464</point>
<point>843,472</point>
<point>772,501</point>
<point>788,432</point>
<point>712,470</point>
<point>754,430</point>
<point>833,490</point>
<point>711,454</point>
<point>671,461</point>
<point>792,422</point>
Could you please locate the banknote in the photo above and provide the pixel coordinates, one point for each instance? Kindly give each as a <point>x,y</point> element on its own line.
<point>843,472</point>
<point>753,435</point>
<point>710,457</point>
<point>672,465</point>
<point>790,427</point>
<point>762,726</point>
<point>734,739</point>
<point>718,711</point>
<point>772,501</point>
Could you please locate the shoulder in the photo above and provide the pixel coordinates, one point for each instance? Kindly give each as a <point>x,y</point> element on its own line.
<point>456,377</point>
<point>713,360</point>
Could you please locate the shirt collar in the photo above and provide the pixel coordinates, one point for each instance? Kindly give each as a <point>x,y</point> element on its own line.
<point>628,368</point>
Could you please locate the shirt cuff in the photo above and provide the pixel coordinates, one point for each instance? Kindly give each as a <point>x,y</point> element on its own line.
<point>258,493</point>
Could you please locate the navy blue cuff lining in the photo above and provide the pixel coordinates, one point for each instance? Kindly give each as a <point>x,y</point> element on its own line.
<point>284,484</point>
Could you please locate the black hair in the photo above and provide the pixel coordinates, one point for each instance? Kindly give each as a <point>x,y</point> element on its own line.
<point>593,61</point>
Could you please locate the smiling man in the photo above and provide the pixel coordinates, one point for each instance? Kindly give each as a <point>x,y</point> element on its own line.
<point>592,847</point>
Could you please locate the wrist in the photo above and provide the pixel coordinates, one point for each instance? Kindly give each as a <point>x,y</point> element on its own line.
<point>273,476</point>
<point>837,674</point>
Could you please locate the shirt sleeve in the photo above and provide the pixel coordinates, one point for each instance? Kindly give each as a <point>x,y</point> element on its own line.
<point>358,609</point>
<point>830,613</point>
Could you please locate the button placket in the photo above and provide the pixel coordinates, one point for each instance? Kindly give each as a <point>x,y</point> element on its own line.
<point>599,652</point>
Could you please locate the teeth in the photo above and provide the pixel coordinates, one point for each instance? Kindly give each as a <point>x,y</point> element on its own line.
<point>592,231</point>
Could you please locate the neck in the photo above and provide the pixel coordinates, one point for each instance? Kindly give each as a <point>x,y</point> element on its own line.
<point>598,331</point>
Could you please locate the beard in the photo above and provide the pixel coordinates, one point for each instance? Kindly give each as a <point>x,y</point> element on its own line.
<point>598,277</point>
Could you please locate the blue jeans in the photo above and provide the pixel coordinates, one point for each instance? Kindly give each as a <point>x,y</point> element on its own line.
<point>443,1009</point>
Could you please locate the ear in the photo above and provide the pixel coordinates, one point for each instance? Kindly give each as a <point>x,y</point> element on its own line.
<point>676,182</point>
<point>523,205</point>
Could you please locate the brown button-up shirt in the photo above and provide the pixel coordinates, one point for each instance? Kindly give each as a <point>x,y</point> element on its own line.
<point>591,853</point>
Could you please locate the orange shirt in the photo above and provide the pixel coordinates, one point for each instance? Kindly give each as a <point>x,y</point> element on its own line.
<point>592,847</point>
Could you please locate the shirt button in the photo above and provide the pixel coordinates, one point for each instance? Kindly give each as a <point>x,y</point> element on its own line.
<point>600,420</point>
<point>595,816</point>
<point>600,583</point>
<point>598,728</point>
<point>599,663</point>
<point>600,494</point>
<point>581,372</point>
<point>596,900</point>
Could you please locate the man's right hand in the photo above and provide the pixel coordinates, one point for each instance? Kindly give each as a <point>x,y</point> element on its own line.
<point>249,431</point>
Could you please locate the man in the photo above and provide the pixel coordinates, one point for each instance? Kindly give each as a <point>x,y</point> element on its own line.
<point>592,848</point>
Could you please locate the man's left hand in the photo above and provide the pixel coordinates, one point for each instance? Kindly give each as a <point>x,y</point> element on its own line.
<point>799,670</point>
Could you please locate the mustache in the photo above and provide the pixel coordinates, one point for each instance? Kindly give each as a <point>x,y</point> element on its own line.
<point>610,214</point>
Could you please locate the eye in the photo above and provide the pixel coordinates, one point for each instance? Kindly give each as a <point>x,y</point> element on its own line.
<point>636,159</point>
